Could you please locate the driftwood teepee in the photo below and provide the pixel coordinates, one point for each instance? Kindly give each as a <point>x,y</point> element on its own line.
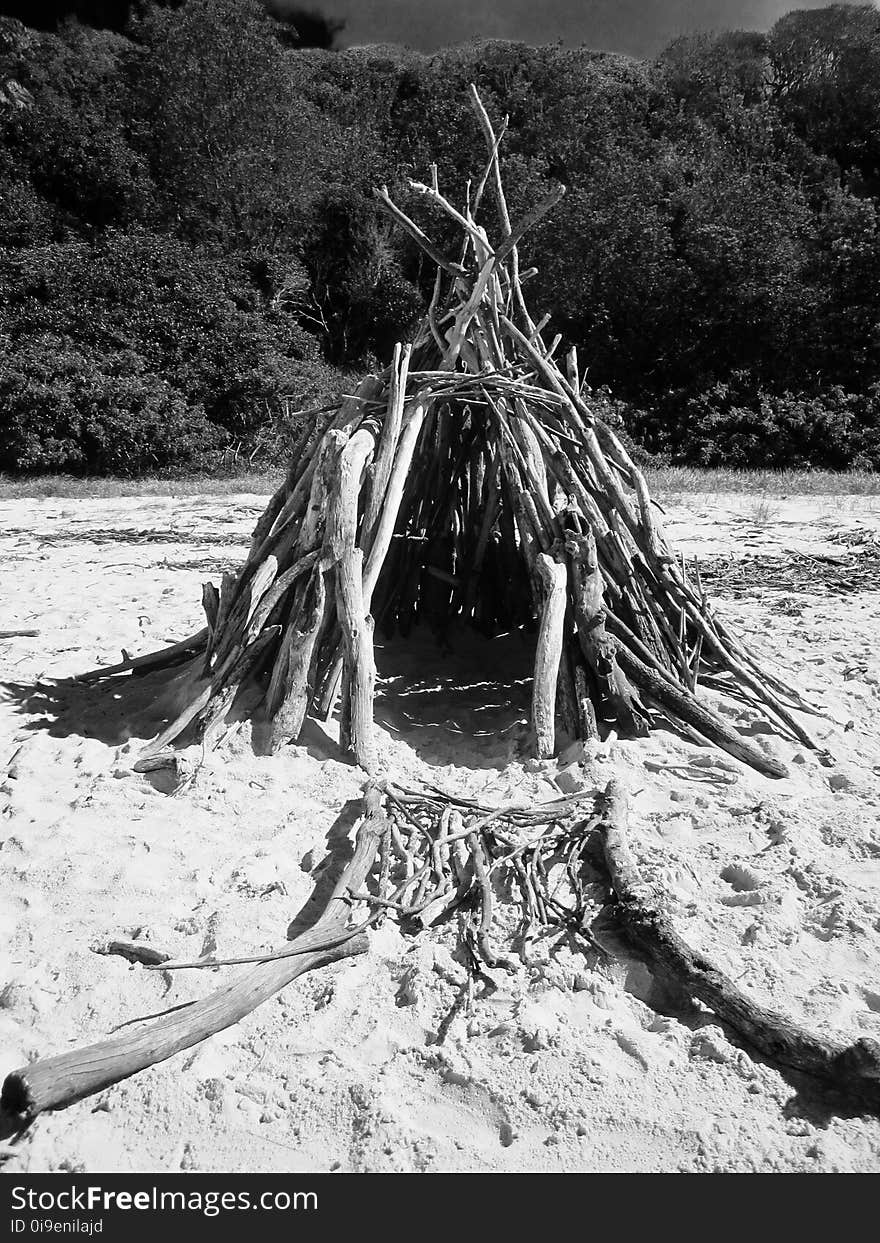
<point>469,480</point>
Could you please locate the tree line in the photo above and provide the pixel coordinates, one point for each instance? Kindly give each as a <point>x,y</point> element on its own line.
<point>190,251</point>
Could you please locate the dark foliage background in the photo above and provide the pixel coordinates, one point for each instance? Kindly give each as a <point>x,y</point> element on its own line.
<point>189,247</point>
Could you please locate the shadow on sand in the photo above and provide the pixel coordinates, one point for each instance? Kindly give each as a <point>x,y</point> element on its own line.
<point>113,710</point>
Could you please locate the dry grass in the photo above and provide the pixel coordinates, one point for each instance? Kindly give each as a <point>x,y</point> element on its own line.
<point>665,483</point>
<point>769,485</point>
<point>763,511</point>
<point>66,487</point>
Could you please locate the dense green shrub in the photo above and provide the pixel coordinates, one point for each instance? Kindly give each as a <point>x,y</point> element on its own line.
<point>71,142</point>
<point>64,410</point>
<point>172,312</point>
<point>737,425</point>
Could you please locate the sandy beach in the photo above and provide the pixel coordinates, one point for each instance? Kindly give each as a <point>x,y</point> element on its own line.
<point>570,1064</point>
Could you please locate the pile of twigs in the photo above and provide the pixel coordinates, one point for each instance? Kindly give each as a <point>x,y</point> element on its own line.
<point>810,575</point>
<point>469,480</point>
<point>444,854</point>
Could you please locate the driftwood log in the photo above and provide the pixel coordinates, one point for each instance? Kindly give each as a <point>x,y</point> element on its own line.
<point>853,1069</point>
<point>59,1081</point>
<point>473,481</point>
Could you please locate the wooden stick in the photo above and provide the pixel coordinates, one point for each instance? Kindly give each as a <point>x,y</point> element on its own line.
<point>151,660</point>
<point>240,614</point>
<point>476,235</point>
<point>289,695</point>
<point>683,706</point>
<point>381,469</point>
<point>394,495</point>
<point>490,164</point>
<point>501,201</point>
<point>529,221</point>
<point>418,236</point>
<point>224,692</point>
<point>360,668</point>
<point>277,592</point>
<point>304,943</point>
<point>489,515</point>
<point>343,499</point>
<point>599,649</point>
<point>548,653</point>
<point>589,728</point>
<point>485,887</point>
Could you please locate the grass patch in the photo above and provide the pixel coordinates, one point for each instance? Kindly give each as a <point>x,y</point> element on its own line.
<point>764,511</point>
<point>665,483</point>
<point>770,485</point>
<point>67,487</point>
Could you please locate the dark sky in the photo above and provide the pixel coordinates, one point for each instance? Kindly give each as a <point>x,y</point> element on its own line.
<point>639,27</point>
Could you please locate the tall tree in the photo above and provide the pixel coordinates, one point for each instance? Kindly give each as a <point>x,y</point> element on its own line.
<point>229,138</point>
<point>826,70</point>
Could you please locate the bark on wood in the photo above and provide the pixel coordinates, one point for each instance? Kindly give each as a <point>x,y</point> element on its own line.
<point>293,687</point>
<point>548,653</point>
<point>598,647</point>
<point>589,728</point>
<point>381,469</point>
<point>359,668</point>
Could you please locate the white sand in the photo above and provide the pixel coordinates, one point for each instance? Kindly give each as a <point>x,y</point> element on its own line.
<point>564,1067</point>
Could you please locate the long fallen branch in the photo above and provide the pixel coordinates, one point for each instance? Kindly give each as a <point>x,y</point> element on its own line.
<point>854,1069</point>
<point>59,1081</point>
